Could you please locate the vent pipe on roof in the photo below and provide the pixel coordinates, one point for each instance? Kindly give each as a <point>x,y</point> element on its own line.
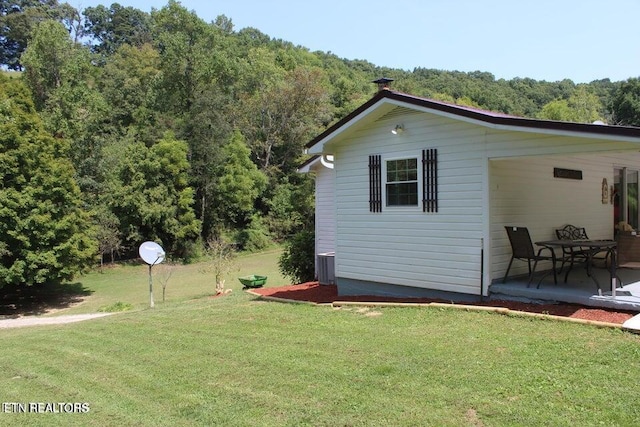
<point>383,83</point>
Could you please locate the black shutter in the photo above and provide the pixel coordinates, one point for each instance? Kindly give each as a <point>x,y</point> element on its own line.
<point>375,183</point>
<point>430,180</point>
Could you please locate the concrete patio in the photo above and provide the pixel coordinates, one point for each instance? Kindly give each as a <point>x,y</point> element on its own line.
<point>579,289</point>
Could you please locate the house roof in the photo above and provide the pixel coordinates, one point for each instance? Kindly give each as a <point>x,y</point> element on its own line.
<point>306,166</point>
<point>488,117</point>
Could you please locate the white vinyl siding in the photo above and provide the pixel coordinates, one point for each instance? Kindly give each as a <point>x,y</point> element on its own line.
<point>487,178</point>
<point>525,193</point>
<point>325,210</point>
<point>409,247</point>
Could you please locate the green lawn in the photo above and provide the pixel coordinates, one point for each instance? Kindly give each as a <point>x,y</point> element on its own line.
<point>240,361</point>
<point>130,284</point>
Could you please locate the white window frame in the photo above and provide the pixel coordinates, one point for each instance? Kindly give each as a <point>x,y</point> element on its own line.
<point>418,181</point>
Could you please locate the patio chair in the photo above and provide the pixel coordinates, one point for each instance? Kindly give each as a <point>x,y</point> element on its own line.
<point>571,232</point>
<point>522,249</point>
<point>627,252</point>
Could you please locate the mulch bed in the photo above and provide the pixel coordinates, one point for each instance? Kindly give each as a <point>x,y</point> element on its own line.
<point>323,294</point>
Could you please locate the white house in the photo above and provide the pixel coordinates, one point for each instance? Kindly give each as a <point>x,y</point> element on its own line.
<point>412,195</point>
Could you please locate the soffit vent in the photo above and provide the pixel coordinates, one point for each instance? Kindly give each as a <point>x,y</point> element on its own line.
<point>396,112</point>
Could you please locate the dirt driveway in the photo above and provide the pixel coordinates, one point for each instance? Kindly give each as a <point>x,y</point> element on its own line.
<point>56,320</point>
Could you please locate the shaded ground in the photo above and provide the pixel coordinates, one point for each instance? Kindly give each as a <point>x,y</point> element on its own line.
<point>313,292</point>
<point>16,301</point>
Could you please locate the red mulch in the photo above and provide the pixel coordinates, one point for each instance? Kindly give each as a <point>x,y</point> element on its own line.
<point>313,292</point>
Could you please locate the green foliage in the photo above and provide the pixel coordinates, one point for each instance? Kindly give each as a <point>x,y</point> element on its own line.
<point>291,206</point>
<point>116,307</point>
<point>298,259</point>
<point>107,233</point>
<point>49,51</point>
<point>150,195</point>
<point>582,106</point>
<point>45,235</point>
<point>239,182</point>
<point>116,26</point>
<point>283,116</point>
<point>127,84</point>
<point>625,104</point>
<point>255,237</point>
<point>19,17</point>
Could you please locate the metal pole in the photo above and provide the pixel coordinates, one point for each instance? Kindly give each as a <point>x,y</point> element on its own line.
<point>614,275</point>
<point>150,288</point>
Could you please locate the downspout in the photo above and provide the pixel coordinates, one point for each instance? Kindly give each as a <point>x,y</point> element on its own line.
<point>482,269</point>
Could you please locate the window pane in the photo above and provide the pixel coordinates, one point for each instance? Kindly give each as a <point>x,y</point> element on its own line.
<point>402,170</point>
<point>405,194</point>
<point>391,171</point>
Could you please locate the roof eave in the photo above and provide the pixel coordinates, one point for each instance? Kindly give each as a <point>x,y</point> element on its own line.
<point>497,121</point>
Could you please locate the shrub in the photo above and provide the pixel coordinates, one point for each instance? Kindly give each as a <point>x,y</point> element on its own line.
<point>115,307</point>
<point>255,237</point>
<point>297,260</point>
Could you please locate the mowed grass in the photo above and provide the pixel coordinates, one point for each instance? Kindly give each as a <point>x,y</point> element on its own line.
<point>239,361</point>
<point>129,284</point>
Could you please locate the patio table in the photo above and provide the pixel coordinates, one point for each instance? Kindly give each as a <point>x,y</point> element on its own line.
<point>590,247</point>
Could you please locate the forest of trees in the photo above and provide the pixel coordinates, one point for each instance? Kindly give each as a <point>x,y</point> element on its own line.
<point>120,126</point>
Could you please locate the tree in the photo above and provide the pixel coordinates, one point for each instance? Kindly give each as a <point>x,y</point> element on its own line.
<point>239,183</point>
<point>221,255</point>
<point>127,84</point>
<point>582,106</point>
<point>49,50</point>
<point>625,104</point>
<point>282,117</point>
<point>291,206</point>
<point>116,26</point>
<point>186,46</point>
<point>62,78</point>
<point>45,235</point>
<point>107,229</point>
<point>207,129</point>
<point>18,18</point>
<point>149,193</point>
<point>164,272</point>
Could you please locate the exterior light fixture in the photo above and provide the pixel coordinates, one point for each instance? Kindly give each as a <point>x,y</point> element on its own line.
<point>397,130</point>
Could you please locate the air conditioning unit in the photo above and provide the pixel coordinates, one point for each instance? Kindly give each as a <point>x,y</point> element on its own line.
<point>326,268</point>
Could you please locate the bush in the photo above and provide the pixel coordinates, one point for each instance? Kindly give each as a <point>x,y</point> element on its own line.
<point>291,207</point>
<point>255,237</point>
<point>297,261</point>
<point>115,307</point>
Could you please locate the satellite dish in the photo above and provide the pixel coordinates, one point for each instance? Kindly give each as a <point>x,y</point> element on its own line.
<point>151,253</point>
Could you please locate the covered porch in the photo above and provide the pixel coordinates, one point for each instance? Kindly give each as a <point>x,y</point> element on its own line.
<point>579,289</point>
<point>546,192</point>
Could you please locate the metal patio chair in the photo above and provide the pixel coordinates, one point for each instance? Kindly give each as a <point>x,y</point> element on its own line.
<point>571,232</point>
<point>522,249</point>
